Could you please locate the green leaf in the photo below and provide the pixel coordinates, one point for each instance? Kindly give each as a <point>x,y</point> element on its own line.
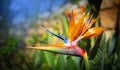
<point>65,25</point>
<point>76,60</point>
<point>60,62</point>
<point>92,42</point>
<point>111,44</point>
<point>85,44</point>
<point>98,62</point>
<point>71,64</point>
<point>48,58</point>
<point>45,66</point>
<point>36,57</point>
<point>116,63</point>
<point>96,46</point>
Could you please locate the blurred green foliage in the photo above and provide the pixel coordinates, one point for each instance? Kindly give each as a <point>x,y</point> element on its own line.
<point>9,55</point>
<point>11,44</point>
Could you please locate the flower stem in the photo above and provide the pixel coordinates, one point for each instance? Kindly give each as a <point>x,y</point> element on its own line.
<point>86,61</point>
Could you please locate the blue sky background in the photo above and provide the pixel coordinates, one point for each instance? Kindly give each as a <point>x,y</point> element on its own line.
<point>20,10</point>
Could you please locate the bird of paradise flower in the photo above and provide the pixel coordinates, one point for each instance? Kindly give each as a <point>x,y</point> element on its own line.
<point>76,31</point>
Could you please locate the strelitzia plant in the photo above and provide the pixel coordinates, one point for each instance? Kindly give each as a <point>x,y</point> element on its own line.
<point>76,31</point>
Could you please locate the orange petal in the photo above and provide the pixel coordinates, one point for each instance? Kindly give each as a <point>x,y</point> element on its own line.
<point>92,21</point>
<point>71,25</point>
<point>87,27</point>
<point>84,27</point>
<point>93,32</point>
<point>87,16</point>
<point>77,28</point>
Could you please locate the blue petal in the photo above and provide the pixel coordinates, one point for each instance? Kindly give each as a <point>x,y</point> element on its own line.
<point>59,36</point>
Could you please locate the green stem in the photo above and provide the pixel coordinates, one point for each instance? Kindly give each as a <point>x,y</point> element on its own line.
<point>86,61</point>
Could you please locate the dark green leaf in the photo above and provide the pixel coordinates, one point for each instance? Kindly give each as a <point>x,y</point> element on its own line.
<point>94,50</point>
<point>98,62</point>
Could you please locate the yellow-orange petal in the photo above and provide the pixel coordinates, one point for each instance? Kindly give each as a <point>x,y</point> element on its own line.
<point>87,27</point>
<point>93,32</point>
<point>92,21</point>
<point>71,25</point>
<point>78,28</point>
<point>86,18</point>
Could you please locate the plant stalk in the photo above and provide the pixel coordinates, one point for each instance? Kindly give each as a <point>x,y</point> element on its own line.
<point>86,61</point>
